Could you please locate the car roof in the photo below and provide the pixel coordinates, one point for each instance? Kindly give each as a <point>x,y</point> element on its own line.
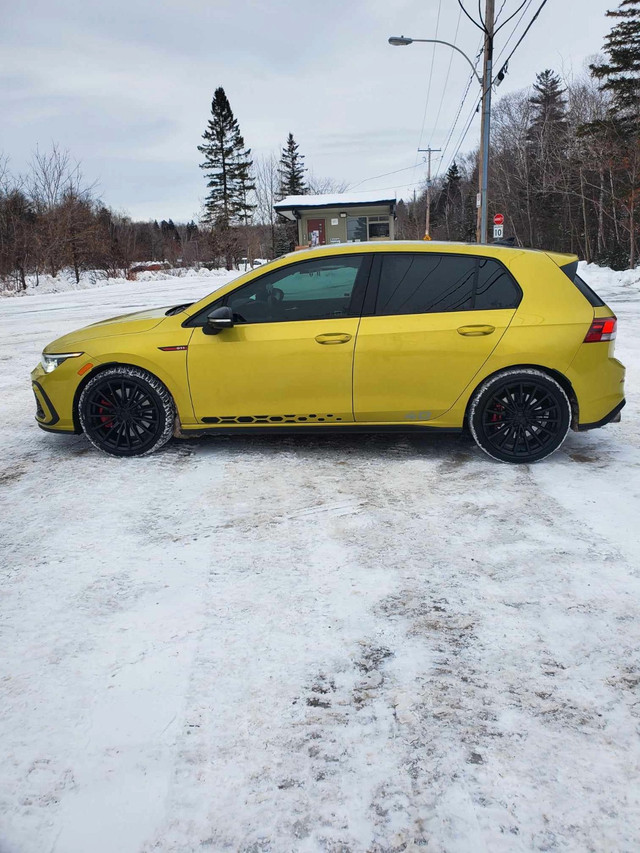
<point>493,250</point>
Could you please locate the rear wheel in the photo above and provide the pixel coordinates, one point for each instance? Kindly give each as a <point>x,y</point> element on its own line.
<point>125,411</point>
<point>520,416</point>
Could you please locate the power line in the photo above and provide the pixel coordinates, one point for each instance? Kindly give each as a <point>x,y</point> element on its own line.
<point>383,175</point>
<point>513,31</point>
<point>503,70</point>
<point>433,56</point>
<point>444,88</point>
<point>473,20</point>
<point>510,18</point>
<point>459,111</point>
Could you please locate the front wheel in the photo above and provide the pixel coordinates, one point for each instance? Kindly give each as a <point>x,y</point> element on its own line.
<point>520,415</point>
<point>125,411</point>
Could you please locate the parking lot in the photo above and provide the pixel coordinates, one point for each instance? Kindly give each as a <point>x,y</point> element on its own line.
<point>368,643</point>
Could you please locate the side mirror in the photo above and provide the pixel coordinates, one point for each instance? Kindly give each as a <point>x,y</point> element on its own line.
<point>219,319</point>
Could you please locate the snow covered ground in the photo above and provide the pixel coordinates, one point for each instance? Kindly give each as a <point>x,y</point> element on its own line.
<point>373,643</point>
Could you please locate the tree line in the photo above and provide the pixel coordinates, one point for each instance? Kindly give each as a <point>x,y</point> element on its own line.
<point>564,163</point>
<point>564,171</point>
<point>51,218</point>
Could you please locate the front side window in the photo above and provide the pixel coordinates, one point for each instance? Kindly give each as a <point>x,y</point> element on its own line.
<point>311,290</point>
<point>425,284</point>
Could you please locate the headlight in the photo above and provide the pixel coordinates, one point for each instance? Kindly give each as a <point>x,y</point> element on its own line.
<point>50,362</point>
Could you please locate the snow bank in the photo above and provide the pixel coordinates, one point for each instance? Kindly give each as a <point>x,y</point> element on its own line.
<point>65,281</point>
<point>612,283</point>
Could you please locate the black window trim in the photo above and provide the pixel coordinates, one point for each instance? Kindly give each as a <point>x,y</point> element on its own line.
<point>371,296</point>
<point>360,288</point>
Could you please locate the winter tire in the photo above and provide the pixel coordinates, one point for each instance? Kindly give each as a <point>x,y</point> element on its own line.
<point>125,411</point>
<point>520,415</point>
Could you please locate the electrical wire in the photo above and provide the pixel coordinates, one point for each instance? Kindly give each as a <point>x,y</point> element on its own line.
<point>433,56</point>
<point>510,18</point>
<point>473,20</point>
<point>459,111</point>
<point>505,46</point>
<point>446,80</point>
<point>383,175</point>
<point>519,42</point>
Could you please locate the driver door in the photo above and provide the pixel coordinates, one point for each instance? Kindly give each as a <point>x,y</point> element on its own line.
<point>288,357</point>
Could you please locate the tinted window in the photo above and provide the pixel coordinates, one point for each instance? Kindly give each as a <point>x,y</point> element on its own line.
<point>425,283</point>
<point>586,291</point>
<point>495,287</point>
<point>311,290</point>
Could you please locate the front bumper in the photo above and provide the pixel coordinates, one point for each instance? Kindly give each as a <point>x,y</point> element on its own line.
<point>54,399</point>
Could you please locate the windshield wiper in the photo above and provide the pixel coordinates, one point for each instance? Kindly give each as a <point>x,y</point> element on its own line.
<point>177,309</point>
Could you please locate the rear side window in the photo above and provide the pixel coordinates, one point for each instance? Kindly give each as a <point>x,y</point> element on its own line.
<point>571,271</point>
<point>425,283</point>
<point>495,287</point>
<point>590,295</point>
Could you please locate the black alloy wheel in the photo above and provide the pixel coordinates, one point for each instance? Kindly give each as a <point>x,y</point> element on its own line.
<point>520,416</point>
<point>125,411</point>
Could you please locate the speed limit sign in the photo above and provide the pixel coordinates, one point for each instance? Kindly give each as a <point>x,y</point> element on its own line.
<point>498,232</point>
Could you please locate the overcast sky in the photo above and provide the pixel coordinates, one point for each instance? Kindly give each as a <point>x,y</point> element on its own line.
<point>126,85</point>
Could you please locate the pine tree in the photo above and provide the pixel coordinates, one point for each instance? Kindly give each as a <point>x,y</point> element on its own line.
<point>621,74</point>
<point>227,166</point>
<point>291,169</point>
<point>546,148</point>
<point>450,204</point>
<point>549,107</point>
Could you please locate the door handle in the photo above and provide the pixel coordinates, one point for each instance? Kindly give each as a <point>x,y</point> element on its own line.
<point>475,331</point>
<point>333,338</point>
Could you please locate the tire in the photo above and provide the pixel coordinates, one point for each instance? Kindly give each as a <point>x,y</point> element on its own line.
<point>520,415</point>
<point>125,411</point>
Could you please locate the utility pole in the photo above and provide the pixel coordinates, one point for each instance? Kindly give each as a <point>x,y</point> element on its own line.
<point>485,127</point>
<point>428,151</point>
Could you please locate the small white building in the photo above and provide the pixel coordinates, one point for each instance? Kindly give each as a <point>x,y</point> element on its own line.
<point>340,218</point>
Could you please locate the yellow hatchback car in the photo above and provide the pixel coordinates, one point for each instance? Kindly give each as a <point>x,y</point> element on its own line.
<point>506,342</point>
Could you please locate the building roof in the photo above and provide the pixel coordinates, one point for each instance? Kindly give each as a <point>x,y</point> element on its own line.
<point>307,202</point>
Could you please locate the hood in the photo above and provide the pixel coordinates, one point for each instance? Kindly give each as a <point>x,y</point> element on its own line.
<point>125,324</point>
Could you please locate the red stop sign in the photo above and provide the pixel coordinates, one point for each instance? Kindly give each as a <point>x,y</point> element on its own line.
<point>498,219</point>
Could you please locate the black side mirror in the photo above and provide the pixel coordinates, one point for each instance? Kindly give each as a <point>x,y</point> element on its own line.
<point>219,319</point>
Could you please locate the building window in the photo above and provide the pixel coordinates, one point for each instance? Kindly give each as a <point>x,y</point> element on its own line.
<point>356,229</point>
<point>362,228</point>
<point>378,227</point>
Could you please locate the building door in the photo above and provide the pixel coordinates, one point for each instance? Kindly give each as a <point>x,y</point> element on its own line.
<point>315,230</point>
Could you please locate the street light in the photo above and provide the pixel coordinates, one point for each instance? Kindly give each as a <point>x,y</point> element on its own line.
<point>401,41</point>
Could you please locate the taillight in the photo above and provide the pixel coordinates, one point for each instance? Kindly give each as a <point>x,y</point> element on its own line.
<point>602,329</point>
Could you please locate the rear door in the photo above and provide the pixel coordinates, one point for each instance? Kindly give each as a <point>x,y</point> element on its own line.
<point>435,320</point>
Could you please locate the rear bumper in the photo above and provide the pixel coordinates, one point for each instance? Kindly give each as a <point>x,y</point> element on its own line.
<point>612,417</point>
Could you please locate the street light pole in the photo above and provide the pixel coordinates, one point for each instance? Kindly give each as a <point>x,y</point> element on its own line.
<point>485,83</point>
<point>482,235</point>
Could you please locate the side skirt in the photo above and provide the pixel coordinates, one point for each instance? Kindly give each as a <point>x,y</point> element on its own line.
<point>333,429</point>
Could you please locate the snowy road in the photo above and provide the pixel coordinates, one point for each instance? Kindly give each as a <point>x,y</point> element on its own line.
<point>352,644</point>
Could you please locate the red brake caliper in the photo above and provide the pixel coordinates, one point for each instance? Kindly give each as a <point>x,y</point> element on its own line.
<point>105,417</point>
<point>496,417</point>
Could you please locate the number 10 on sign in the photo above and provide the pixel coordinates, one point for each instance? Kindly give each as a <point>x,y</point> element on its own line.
<point>498,232</point>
